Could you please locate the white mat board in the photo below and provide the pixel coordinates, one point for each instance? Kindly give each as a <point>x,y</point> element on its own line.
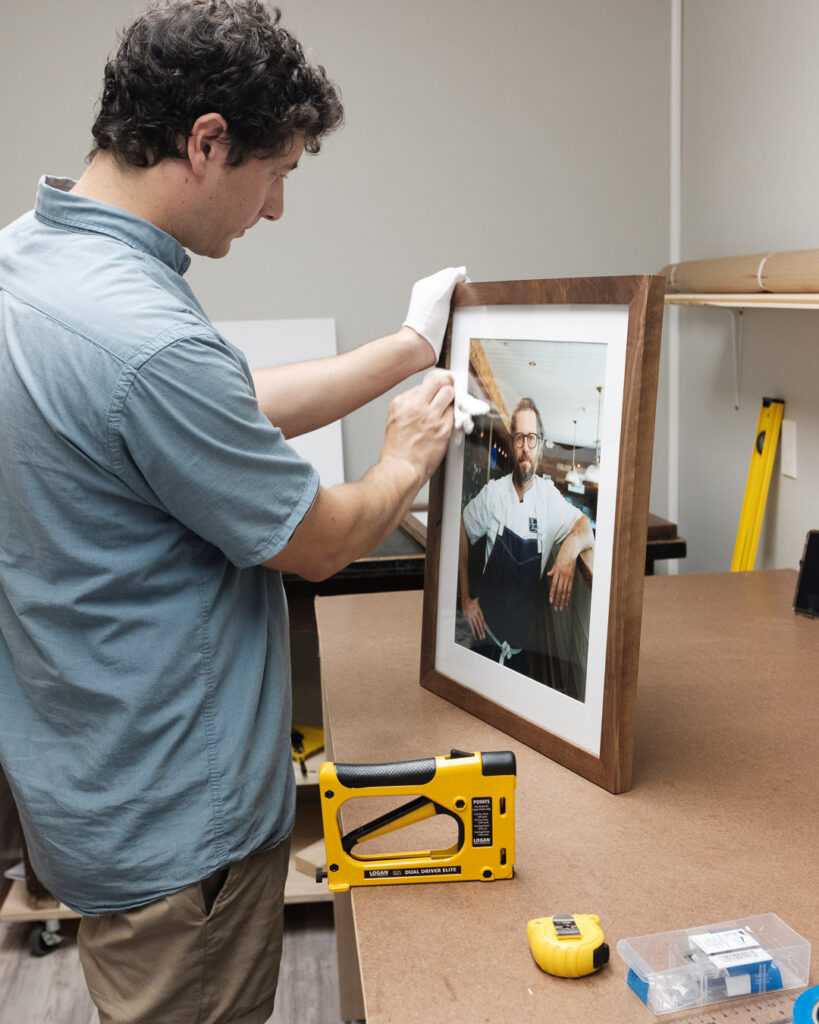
<point>274,342</point>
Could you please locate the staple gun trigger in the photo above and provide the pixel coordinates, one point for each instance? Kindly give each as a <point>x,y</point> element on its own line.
<point>408,814</point>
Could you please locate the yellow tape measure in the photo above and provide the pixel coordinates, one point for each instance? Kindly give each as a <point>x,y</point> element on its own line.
<point>568,945</point>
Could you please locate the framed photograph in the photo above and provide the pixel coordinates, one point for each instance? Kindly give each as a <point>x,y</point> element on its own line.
<point>537,518</point>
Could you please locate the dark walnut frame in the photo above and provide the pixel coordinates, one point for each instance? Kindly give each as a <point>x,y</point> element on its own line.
<point>643,295</point>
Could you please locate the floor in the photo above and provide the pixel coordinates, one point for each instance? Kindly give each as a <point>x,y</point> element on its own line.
<point>51,989</point>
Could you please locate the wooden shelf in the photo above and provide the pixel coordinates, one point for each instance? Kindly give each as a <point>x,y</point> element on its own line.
<point>307,841</point>
<point>16,907</point>
<point>301,885</point>
<point>312,764</point>
<point>758,300</point>
<point>299,888</point>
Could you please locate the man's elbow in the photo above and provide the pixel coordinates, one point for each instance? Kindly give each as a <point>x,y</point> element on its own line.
<point>314,566</point>
<point>587,533</point>
<point>320,569</point>
<point>320,545</point>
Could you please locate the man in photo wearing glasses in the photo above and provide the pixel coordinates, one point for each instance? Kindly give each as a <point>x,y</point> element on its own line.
<point>522,516</point>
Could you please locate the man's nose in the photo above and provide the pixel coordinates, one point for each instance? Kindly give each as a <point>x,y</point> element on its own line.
<point>274,204</point>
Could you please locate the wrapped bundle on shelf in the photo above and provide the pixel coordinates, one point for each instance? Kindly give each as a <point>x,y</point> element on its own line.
<point>776,272</point>
<point>791,271</point>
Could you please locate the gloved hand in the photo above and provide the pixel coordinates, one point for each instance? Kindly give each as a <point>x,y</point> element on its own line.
<point>429,305</point>
<point>466,405</point>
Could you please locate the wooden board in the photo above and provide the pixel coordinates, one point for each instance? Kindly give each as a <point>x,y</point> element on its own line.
<point>718,823</point>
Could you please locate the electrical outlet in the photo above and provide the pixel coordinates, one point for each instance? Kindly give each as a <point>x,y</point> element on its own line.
<point>789,448</point>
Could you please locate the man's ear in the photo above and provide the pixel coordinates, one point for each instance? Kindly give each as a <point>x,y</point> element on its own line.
<point>206,142</point>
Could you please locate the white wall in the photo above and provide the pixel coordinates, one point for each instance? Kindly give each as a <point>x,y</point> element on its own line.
<point>526,139</point>
<point>751,151</point>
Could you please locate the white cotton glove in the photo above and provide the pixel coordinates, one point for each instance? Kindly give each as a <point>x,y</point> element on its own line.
<point>429,305</point>
<point>466,405</point>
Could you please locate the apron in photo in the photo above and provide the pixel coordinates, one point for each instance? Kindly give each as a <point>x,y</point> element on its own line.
<point>508,590</point>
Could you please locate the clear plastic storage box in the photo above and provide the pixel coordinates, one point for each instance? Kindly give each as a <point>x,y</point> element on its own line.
<point>674,971</point>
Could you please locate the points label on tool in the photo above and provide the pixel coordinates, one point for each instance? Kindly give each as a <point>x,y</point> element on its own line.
<point>481,820</point>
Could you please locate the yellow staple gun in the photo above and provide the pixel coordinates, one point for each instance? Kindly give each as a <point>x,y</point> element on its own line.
<point>476,789</point>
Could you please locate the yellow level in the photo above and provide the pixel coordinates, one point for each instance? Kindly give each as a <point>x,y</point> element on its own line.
<point>759,479</point>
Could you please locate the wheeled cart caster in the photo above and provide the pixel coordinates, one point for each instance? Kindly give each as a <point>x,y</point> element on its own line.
<point>45,937</point>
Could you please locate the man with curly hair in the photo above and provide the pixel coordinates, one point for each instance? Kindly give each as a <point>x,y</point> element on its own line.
<point>150,501</point>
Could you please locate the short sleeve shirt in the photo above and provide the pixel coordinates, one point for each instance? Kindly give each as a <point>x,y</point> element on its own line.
<point>144,660</point>
<point>544,514</point>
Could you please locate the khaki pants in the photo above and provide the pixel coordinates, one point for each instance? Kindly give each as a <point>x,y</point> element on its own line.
<point>208,954</point>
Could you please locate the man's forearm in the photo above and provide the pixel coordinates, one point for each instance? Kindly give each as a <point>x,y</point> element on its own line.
<point>463,565</point>
<point>580,537</point>
<point>347,521</point>
<point>583,534</point>
<point>300,397</point>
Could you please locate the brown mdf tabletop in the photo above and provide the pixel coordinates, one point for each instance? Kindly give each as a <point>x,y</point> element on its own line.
<point>721,821</point>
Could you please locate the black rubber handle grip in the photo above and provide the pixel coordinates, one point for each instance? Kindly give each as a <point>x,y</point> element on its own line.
<point>396,773</point>
<point>498,762</point>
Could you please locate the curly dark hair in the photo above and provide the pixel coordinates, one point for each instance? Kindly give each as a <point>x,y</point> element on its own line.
<point>184,58</point>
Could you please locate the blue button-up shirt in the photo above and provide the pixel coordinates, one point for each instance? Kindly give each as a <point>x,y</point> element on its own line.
<point>144,661</point>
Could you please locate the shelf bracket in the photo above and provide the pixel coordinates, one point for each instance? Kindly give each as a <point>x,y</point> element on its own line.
<point>736,338</point>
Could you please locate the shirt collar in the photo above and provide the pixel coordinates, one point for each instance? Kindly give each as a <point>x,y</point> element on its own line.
<point>529,495</point>
<point>56,205</point>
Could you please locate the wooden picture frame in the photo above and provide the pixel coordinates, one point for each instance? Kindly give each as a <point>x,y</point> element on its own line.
<point>506,328</point>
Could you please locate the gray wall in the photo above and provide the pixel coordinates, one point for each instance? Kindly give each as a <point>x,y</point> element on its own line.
<point>751,149</point>
<point>524,139</point>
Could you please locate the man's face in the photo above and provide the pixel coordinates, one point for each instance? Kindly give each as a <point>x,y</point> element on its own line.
<point>526,458</point>
<point>239,197</point>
